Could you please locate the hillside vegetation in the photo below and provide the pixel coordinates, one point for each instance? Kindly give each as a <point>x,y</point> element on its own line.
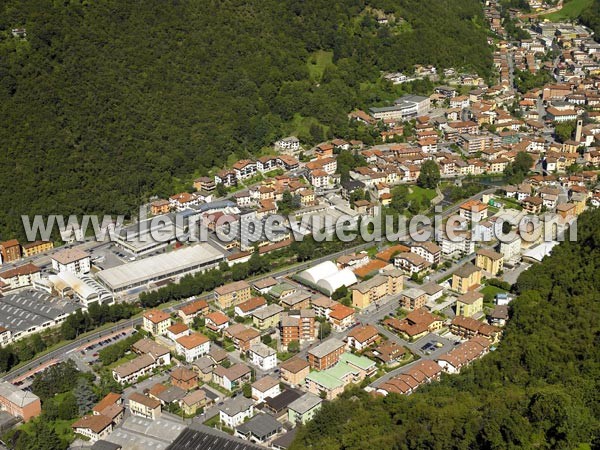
<point>107,102</point>
<point>539,389</point>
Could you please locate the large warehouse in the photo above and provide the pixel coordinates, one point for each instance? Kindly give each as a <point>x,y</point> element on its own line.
<point>160,267</point>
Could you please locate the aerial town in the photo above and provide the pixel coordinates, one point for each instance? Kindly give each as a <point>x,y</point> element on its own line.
<point>253,358</point>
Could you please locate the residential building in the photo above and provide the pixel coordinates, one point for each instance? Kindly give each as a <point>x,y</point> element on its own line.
<point>326,354</point>
<point>298,325</point>
<point>19,403</point>
<point>406,383</point>
<point>499,316</point>
<point>413,298</point>
<point>233,377</point>
<point>94,427</point>
<point>411,263</point>
<point>294,371</point>
<point>390,282</point>
<point>267,317</point>
<point>389,353</point>
<point>362,337</point>
<point>431,252</point>
<point>463,355</point>
<point>242,336</point>
<point>232,294</point>
<point>36,248</point>
<point>192,310</point>
<point>469,304</point>
<point>216,321</point>
<point>19,277</point>
<point>249,306</point>
<point>261,428</point>
<point>156,322</point>
<point>236,411</point>
<point>192,346</point>
<point>511,249</point>
<point>10,251</point>
<point>71,260</point>
<point>262,356</point>
<point>473,210</point>
<point>466,278</point>
<point>143,406</point>
<point>266,386</point>
<point>184,378</point>
<point>192,402</point>
<point>416,324</point>
<point>467,327</point>
<point>341,317</point>
<point>489,261</point>
<point>532,205</point>
<point>303,409</point>
<point>177,330</point>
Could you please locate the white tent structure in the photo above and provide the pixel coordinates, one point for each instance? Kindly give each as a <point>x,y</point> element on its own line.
<point>318,272</point>
<point>327,277</point>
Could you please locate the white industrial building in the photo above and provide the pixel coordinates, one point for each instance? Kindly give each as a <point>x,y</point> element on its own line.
<point>174,264</point>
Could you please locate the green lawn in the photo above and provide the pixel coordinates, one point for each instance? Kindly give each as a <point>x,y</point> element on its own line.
<point>490,292</point>
<point>421,193</point>
<point>318,62</point>
<point>571,9</point>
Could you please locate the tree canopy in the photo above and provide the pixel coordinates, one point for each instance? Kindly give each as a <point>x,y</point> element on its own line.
<point>538,389</point>
<point>106,103</point>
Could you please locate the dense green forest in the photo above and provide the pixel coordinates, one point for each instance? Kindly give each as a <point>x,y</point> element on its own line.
<point>591,18</point>
<point>107,102</point>
<point>539,389</point>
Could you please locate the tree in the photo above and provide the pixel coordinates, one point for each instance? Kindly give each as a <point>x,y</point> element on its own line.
<point>516,171</point>
<point>221,190</point>
<point>293,346</point>
<point>68,408</point>
<point>564,130</point>
<point>324,330</point>
<point>247,390</point>
<point>266,339</point>
<point>339,293</point>
<point>429,177</point>
<point>85,396</point>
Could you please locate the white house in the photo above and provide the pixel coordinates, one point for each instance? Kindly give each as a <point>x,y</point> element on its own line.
<point>262,356</point>
<point>193,346</point>
<point>511,249</point>
<point>265,387</point>
<point>71,260</point>
<point>234,412</point>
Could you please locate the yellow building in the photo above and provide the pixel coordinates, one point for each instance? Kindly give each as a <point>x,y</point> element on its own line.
<point>465,278</point>
<point>489,261</point>
<point>37,247</point>
<point>469,304</point>
<point>387,283</point>
<point>267,317</point>
<point>156,322</point>
<point>232,294</point>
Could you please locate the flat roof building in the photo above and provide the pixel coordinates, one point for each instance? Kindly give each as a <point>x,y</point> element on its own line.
<point>160,267</point>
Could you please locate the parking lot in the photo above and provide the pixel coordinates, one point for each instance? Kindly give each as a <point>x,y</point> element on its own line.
<point>86,356</point>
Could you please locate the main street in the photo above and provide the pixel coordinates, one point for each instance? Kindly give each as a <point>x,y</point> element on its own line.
<point>61,353</point>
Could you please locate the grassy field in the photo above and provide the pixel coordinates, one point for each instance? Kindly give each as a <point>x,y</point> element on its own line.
<point>492,290</point>
<point>571,9</point>
<point>421,193</point>
<point>318,62</point>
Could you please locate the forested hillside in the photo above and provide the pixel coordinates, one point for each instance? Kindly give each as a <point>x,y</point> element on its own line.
<point>591,18</point>
<point>540,389</point>
<point>107,102</point>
